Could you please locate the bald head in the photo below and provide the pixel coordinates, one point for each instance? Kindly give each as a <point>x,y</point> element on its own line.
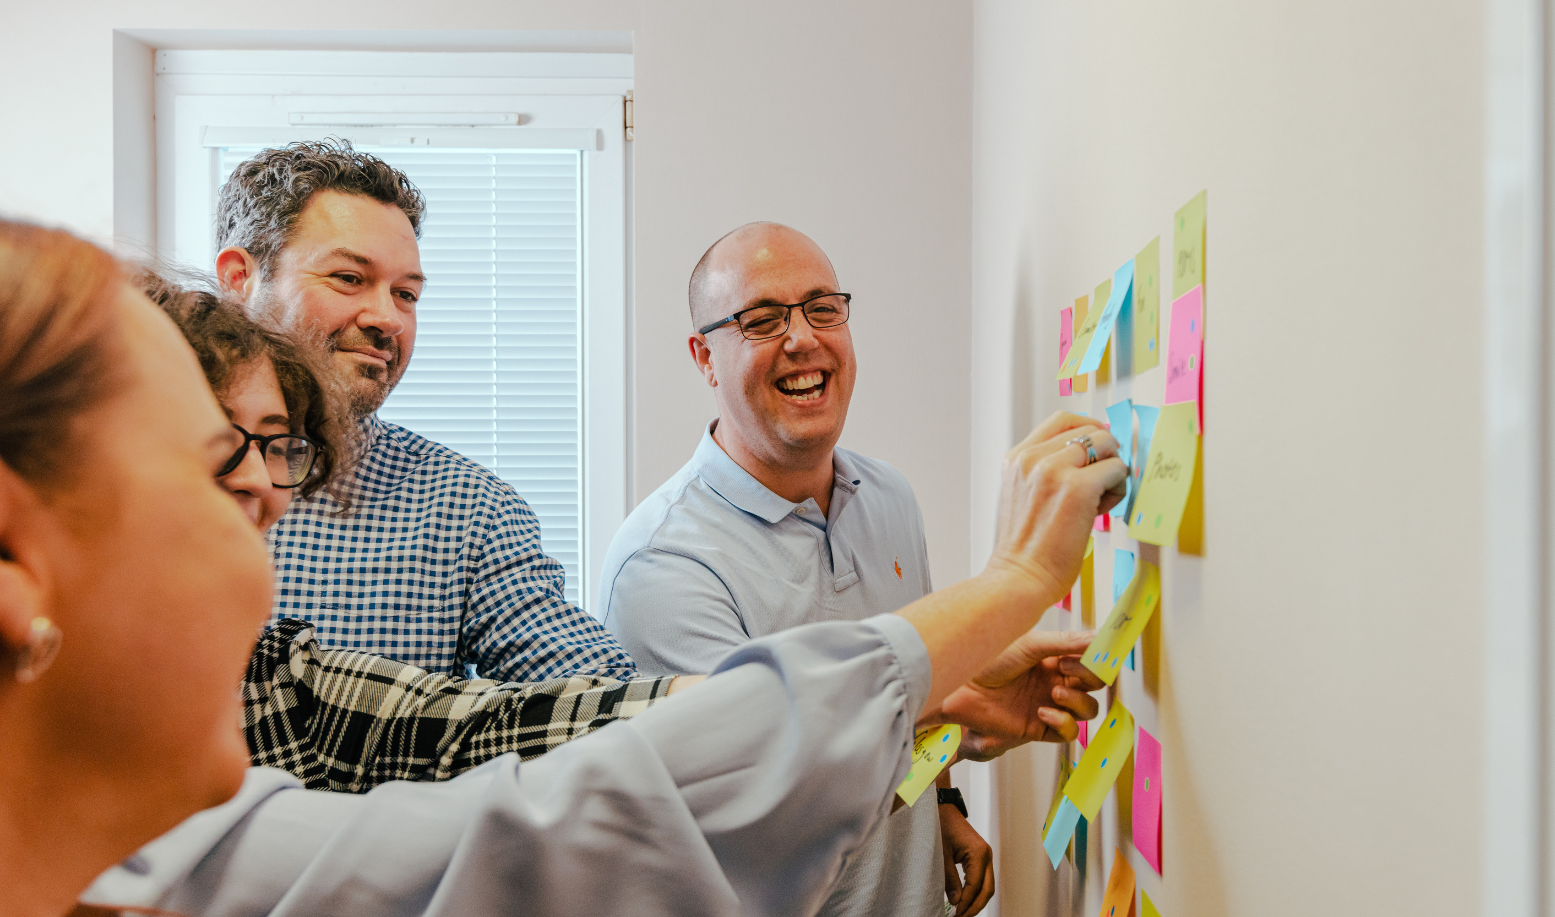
<point>762,248</point>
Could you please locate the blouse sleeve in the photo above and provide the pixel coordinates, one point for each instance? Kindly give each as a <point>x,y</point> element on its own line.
<point>746,794</point>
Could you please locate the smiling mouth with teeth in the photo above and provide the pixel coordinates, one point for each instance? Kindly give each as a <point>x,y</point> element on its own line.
<point>804,387</point>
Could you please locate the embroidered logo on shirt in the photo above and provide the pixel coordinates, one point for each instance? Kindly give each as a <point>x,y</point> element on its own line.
<point>897,563</point>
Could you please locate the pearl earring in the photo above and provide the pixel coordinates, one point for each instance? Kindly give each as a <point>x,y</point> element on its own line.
<point>42,646</point>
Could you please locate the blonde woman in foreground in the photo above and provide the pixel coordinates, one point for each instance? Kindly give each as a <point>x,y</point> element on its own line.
<point>132,588</point>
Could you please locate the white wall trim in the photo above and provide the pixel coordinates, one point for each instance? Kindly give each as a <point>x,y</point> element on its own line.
<point>1515,845</point>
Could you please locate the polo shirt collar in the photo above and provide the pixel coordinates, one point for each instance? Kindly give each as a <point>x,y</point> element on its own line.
<point>713,465</point>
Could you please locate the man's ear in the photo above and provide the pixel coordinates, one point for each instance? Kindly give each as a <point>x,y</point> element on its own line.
<point>237,272</point>
<point>702,356</point>
<point>21,575</point>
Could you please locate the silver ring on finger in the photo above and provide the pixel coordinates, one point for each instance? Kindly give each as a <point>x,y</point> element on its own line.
<point>1085,443</point>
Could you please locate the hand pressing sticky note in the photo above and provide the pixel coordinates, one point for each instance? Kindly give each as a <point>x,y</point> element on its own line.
<point>1147,799</point>
<point>1168,475</point>
<point>1185,349</point>
<point>1065,338</point>
<point>1130,613</point>
<point>1118,900</point>
<point>1188,246</point>
<point>932,749</point>
<point>1103,761</point>
<point>1147,307</point>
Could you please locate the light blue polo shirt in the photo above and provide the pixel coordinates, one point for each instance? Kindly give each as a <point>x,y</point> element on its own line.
<point>713,558</point>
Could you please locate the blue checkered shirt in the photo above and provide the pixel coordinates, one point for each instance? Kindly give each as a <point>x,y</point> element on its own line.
<point>437,564</point>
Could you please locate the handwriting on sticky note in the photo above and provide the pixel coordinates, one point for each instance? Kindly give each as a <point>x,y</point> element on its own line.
<point>1085,323</point>
<point>1163,491</point>
<point>1118,900</point>
<point>1065,339</point>
<point>1130,613</point>
<point>1118,294</point>
<point>1103,761</point>
<point>932,749</point>
<point>1185,347</point>
<point>1147,798</point>
<point>1147,307</point>
<point>1188,246</point>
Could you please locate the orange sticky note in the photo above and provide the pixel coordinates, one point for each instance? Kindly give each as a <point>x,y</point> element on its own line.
<point>1119,898</point>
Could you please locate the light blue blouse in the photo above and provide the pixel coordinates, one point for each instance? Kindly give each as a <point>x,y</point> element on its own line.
<point>743,795</point>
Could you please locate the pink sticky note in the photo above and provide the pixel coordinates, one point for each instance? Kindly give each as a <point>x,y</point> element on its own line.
<point>1085,733</point>
<point>1147,799</point>
<point>1185,347</point>
<point>1103,523</point>
<point>1065,339</point>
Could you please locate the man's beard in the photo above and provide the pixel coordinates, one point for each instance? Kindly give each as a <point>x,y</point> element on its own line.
<point>363,386</point>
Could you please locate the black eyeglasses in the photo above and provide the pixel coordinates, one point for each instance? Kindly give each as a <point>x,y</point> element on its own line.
<point>288,456</point>
<point>760,323</point>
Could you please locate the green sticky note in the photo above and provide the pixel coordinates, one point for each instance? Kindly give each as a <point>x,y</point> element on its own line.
<point>1147,307</point>
<point>932,749</point>
<point>1147,907</point>
<point>1168,475</point>
<point>1127,621</point>
<point>1102,762</point>
<point>1188,246</point>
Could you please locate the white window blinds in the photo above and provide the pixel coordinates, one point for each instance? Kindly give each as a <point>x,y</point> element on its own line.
<point>497,369</point>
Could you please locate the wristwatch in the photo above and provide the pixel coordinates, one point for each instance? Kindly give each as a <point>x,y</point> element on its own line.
<point>952,797</point>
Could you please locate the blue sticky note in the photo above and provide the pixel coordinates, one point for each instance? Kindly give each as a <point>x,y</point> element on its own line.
<point>1120,417</point>
<point>1080,845</point>
<point>1122,571</point>
<point>1060,831</point>
<point>1147,416</point>
<point>1122,294</point>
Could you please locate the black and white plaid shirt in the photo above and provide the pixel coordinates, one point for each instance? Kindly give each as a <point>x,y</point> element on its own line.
<point>438,565</point>
<point>348,721</point>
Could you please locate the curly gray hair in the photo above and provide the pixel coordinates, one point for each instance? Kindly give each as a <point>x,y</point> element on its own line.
<point>259,205</point>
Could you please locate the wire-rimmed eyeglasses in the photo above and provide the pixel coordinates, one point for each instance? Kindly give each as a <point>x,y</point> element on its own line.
<point>288,456</point>
<point>760,323</point>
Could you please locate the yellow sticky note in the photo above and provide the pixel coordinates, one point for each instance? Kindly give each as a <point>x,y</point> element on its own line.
<point>1147,306</point>
<point>1082,382</point>
<point>1188,246</point>
<point>932,749</point>
<point>1102,762</point>
<point>1168,475</point>
<point>1119,897</point>
<point>1102,294</point>
<point>1127,621</point>
<point>1147,907</point>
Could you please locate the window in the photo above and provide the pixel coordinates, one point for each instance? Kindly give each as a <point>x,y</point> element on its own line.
<point>520,351</point>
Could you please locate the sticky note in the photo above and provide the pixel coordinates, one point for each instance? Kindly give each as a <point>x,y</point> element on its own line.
<point>932,749</point>
<point>1081,304</point>
<point>1147,907</point>
<point>1130,613</point>
<point>1146,415</point>
<point>1103,523</point>
<point>1163,491</point>
<point>1185,349</point>
<point>1120,420</point>
<point>1119,897</point>
<point>1065,768</point>
<point>1090,341</point>
<point>1122,573</point>
<point>1060,830</point>
<point>1103,761</point>
<point>1146,352</point>
<point>1065,338</point>
<point>1147,799</point>
<point>1085,729</point>
<point>1082,843</point>
<point>1188,246</point>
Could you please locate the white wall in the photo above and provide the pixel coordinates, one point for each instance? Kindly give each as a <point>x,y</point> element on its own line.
<point>1321,665</point>
<point>848,121</point>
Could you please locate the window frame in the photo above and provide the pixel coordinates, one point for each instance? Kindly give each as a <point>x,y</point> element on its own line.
<point>563,96</point>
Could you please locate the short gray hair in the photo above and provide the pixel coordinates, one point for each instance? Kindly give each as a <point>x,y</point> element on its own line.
<point>259,205</point>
